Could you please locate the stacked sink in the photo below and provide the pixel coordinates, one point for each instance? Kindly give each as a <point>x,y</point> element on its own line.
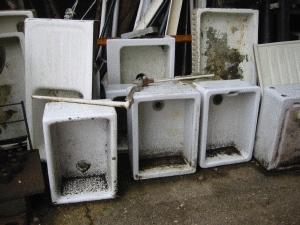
<point>171,127</point>
<point>277,144</point>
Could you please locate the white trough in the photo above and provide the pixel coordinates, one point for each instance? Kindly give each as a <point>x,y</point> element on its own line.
<point>126,58</point>
<point>228,121</point>
<point>222,43</point>
<point>81,151</point>
<point>13,20</point>
<point>163,128</point>
<point>277,143</point>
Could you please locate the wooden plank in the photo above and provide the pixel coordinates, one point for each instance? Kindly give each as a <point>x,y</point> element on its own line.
<point>178,39</point>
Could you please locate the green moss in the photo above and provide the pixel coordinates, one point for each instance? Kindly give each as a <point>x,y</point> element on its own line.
<point>222,60</point>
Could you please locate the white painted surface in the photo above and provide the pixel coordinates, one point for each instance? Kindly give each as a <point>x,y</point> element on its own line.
<point>277,138</point>
<point>170,130</point>
<point>12,84</point>
<point>113,91</point>
<point>174,15</point>
<point>116,92</point>
<point>278,63</point>
<point>147,17</point>
<point>237,28</point>
<point>230,123</point>
<point>128,57</point>
<point>200,3</point>
<point>11,20</point>
<point>76,132</point>
<point>58,62</point>
<point>115,19</point>
<point>144,4</point>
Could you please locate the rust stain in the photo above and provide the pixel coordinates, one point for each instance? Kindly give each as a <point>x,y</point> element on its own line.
<point>222,60</point>
<point>233,29</point>
<point>176,113</point>
<point>240,40</point>
<point>5,91</point>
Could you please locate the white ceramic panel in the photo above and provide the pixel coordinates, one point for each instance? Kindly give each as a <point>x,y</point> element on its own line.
<point>59,56</point>
<point>278,63</point>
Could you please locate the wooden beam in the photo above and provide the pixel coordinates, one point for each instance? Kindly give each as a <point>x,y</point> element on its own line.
<point>178,39</point>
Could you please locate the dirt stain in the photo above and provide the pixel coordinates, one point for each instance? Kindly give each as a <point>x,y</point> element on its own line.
<point>230,150</point>
<point>5,91</point>
<point>222,60</point>
<point>289,150</point>
<point>166,161</point>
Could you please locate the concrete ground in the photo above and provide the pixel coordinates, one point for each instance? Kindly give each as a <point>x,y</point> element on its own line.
<point>236,194</point>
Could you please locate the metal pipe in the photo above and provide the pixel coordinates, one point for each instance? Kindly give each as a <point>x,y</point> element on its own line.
<point>129,97</point>
<point>102,102</point>
<point>190,77</point>
<point>162,9</point>
<point>266,26</point>
<point>26,125</point>
<point>98,10</point>
<point>186,23</point>
<point>115,19</point>
<point>283,21</point>
<point>54,9</point>
<point>88,9</point>
<point>163,26</point>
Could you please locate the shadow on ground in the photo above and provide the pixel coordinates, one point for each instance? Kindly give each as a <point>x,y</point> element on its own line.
<point>236,194</point>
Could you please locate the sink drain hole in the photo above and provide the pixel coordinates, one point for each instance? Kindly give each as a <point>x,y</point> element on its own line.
<point>158,105</point>
<point>83,166</point>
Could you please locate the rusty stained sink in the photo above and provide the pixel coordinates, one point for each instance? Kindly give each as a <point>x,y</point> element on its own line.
<point>222,43</point>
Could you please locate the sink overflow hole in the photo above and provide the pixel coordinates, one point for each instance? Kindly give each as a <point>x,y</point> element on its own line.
<point>217,99</point>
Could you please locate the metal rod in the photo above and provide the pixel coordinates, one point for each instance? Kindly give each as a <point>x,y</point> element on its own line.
<point>98,10</point>
<point>10,104</point>
<point>102,102</point>
<point>54,9</point>
<point>88,10</point>
<point>163,26</point>
<point>162,9</point>
<point>26,125</point>
<point>283,21</point>
<point>14,121</point>
<point>184,78</point>
<point>266,29</point>
<point>109,16</point>
<point>186,22</point>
